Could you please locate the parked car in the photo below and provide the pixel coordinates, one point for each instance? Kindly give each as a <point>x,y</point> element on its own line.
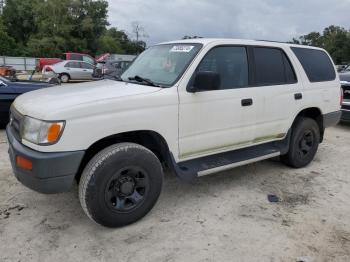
<point>12,88</point>
<point>112,68</point>
<point>66,56</point>
<point>341,67</point>
<point>7,71</point>
<point>69,70</point>
<point>346,102</point>
<point>197,106</point>
<point>344,75</point>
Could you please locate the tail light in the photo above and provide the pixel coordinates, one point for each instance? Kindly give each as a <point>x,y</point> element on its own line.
<point>48,69</point>
<point>341,96</point>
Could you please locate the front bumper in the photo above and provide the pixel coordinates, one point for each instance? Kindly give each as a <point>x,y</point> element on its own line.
<point>51,172</point>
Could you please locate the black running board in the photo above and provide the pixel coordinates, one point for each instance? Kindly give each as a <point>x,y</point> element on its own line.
<point>191,169</point>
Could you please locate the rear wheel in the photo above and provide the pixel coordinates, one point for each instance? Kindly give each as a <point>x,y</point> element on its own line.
<point>120,184</point>
<point>64,78</point>
<point>304,143</point>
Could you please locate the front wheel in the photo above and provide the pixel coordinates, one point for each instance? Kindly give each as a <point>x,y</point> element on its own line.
<point>120,184</point>
<point>304,143</point>
<point>64,78</point>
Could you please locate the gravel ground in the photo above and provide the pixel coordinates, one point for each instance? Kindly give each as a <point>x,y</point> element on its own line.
<point>222,217</point>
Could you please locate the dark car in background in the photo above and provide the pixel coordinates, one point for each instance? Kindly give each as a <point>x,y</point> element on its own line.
<point>10,89</point>
<point>111,68</point>
<point>346,101</point>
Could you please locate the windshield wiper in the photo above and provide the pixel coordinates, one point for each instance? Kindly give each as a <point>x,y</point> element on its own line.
<point>143,80</point>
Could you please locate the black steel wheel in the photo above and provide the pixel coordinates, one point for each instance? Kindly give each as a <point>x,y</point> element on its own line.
<point>120,184</point>
<point>304,143</point>
<point>127,189</point>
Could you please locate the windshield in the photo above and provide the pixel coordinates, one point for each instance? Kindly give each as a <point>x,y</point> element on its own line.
<point>162,64</point>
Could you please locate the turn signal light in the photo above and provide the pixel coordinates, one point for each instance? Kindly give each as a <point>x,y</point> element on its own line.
<point>53,132</point>
<point>24,163</point>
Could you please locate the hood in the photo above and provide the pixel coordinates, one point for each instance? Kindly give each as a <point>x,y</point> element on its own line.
<point>51,101</point>
<point>26,86</point>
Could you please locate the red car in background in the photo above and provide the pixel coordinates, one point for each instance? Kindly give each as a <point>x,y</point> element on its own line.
<point>66,56</point>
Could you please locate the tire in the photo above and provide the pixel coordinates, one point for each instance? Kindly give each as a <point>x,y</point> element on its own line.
<point>304,143</point>
<point>120,185</point>
<point>64,78</point>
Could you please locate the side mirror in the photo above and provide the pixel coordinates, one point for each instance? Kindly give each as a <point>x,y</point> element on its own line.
<point>205,81</point>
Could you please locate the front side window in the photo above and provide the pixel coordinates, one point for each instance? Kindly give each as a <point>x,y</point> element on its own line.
<point>87,66</point>
<point>272,67</point>
<point>316,63</point>
<point>88,59</point>
<point>162,64</point>
<point>230,62</point>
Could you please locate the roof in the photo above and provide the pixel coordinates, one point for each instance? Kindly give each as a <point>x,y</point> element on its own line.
<point>232,41</point>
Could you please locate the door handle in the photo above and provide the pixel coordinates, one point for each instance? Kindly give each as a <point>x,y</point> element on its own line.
<point>247,102</point>
<point>298,96</point>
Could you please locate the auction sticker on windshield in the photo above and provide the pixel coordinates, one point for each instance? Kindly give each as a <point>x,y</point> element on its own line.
<point>182,48</point>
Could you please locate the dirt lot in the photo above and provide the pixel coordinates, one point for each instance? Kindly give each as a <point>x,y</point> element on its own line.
<point>223,217</point>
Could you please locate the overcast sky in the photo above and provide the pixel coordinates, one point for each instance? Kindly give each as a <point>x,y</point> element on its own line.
<point>279,20</point>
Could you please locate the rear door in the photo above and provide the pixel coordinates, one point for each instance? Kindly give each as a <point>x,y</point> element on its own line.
<point>276,84</point>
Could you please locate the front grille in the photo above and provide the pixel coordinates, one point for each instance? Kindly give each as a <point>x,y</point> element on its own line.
<point>346,91</point>
<point>15,123</point>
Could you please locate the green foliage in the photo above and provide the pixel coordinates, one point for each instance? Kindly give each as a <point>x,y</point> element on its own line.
<point>7,42</point>
<point>48,28</point>
<point>335,39</point>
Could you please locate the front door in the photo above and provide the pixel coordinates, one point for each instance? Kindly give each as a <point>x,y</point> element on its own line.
<point>87,70</point>
<point>219,120</point>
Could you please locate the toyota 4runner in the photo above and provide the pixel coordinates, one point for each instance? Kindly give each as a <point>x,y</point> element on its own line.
<point>195,106</point>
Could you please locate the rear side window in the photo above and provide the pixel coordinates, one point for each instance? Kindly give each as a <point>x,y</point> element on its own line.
<point>272,67</point>
<point>316,63</point>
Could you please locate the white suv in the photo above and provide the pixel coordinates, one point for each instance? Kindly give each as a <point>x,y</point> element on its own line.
<point>195,106</point>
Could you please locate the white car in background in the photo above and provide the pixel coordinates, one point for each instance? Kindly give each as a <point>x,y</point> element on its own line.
<point>69,70</point>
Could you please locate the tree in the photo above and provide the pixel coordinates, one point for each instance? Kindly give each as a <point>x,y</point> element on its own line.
<point>118,42</point>
<point>110,42</point>
<point>19,18</point>
<point>7,43</point>
<point>335,39</point>
<point>48,28</point>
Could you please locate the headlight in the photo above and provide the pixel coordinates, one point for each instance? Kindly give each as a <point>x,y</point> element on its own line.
<point>41,132</point>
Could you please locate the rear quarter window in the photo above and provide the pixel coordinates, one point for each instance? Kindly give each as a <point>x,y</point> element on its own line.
<point>316,63</point>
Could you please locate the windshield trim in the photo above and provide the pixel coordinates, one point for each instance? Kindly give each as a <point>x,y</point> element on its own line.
<point>162,85</point>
